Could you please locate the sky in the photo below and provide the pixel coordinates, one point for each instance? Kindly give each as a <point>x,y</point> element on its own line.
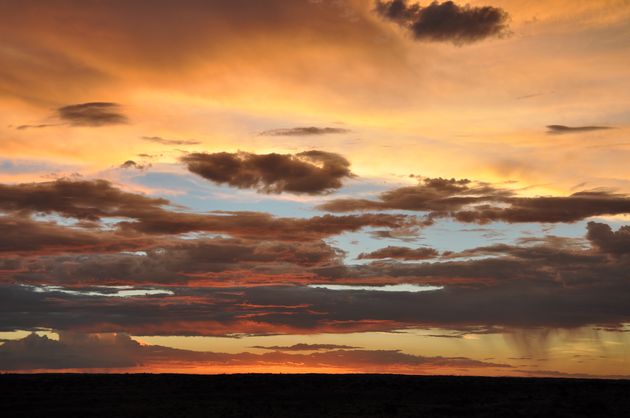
<point>332,186</point>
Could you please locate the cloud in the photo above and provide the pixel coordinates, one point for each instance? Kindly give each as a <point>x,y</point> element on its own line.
<point>306,347</point>
<point>22,235</point>
<point>431,194</point>
<point>89,200</point>
<point>305,131</point>
<point>138,215</point>
<point>447,21</point>
<point>467,201</point>
<point>71,351</point>
<point>562,129</point>
<point>572,208</point>
<point>309,172</point>
<point>402,253</point>
<point>223,286</point>
<point>256,224</point>
<point>131,164</point>
<point>608,241</point>
<point>92,114</point>
<point>201,261</point>
<point>119,351</point>
<point>163,141</point>
<point>40,126</point>
<point>570,285</point>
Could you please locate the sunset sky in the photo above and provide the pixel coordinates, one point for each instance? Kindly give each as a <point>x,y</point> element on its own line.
<point>218,186</point>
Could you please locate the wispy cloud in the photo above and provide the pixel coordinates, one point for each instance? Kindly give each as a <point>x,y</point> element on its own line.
<point>92,114</point>
<point>164,141</point>
<point>305,131</point>
<point>562,129</point>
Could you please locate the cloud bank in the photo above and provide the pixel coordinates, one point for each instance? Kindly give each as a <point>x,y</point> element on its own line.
<point>114,351</point>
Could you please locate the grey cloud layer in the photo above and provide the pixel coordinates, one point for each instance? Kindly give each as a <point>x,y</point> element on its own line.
<point>222,286</point>
<point>570,286</point>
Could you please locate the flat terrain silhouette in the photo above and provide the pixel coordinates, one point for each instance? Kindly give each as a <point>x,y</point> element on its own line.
<point>310,395</point>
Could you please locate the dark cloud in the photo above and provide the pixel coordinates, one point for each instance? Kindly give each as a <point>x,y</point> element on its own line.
<point>447,21</point>
<point>467,201</point>
<point>92,114</point>
<point>107,351</point>
<point>21,235</point>
<point>306,347</point>
<point>71,351</point>
<point>163,141</point>
<point>456,336</point>
<point>94,200</point>
<point>211,261</point>
<point>569,285</point>
<point>572,208</point>
<point>305,131</point>
<point>43,125</point>
<point>562,129</point>
<point>435,195</point>
<point>564,294</point>
<point>608,241</point>
<point>131,164</point>
<point>402,253</point>
<point>309,172</point>
<point>431,194</point>
<point>245,285</point>
<point>255,224</point>
<point>24,236</point>
<point>89,200</point>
